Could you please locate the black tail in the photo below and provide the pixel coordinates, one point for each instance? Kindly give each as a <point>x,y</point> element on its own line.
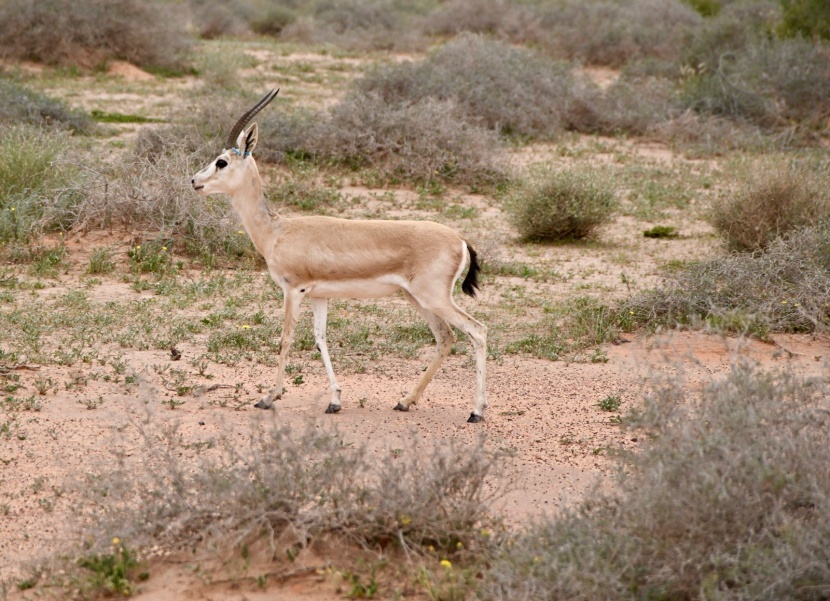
<point>470,283</point>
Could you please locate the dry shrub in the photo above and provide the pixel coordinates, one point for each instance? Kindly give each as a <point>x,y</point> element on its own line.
<point>784,289</point>
<point>771,83</point>
<point>728,499</point>
<point>289,489</point>
<point>605,32</point>
<point>510,90</point>
<point>358,25</point>
<point>87,33</point>
<point>772,199</point>
<point>699,135</point>
<point>506,20</point>
<point>631,106</point>
<point>151,193</point>
<point>560,205</point>
<point>422,141</point>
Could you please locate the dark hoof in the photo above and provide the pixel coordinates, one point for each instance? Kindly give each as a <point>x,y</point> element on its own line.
<point>400,407</point>
<point>474,419</point>
<point>332,408</point>
<point>262,405</point>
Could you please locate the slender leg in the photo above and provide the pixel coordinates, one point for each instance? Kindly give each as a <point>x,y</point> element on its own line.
<point>293,298</point>
<point>477,332</point>
<point>444,339</point>
<point>320,308</point>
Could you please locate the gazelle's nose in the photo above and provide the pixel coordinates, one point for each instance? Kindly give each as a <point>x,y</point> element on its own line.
<point>193,181</point>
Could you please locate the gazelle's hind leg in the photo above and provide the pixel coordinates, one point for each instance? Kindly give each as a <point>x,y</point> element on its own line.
<point>444,339</point>
<point>320,308</point>
<point>477,332</point>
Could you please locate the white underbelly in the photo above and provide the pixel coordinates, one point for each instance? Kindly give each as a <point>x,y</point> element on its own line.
<point>354,288</point>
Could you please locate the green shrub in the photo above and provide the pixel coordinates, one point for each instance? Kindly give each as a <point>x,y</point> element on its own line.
<point>808,18</point>
<point>37,190</point>
<point>725,498</point>
<point>772,199</point>
<point>88,33</point>
<point>560,205</point>
<point>19,104</point>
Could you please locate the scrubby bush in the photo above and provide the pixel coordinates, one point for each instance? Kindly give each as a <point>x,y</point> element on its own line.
<point>772,84</point>
<point>278,491</point>
<point>87,33</point>
<point>358,24</point>
<point>506,20</point>
<point>510,90</point>
<point>151,193</point>
<point>726,498</point>
<point>19,104</point>
<point>560,205</point>
<point>784,289</point>
<point>605,32</point>
<point>418,142</point>
<point>772,199</point>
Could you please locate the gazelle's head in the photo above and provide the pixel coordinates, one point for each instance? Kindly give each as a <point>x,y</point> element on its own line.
<point>227,172</point>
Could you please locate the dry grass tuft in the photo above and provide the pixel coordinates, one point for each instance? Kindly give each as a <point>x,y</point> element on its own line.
<point>773,199</point>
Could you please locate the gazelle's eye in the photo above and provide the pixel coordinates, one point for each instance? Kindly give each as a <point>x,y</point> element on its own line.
<point>221,163</point>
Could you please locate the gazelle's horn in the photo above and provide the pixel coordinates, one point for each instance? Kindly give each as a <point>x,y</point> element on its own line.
<point>246,118</point>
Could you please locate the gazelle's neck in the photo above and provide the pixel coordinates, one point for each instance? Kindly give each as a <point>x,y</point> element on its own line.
<point>250,204</point>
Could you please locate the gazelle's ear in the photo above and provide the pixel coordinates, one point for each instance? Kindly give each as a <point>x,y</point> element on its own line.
<point>250,139</point>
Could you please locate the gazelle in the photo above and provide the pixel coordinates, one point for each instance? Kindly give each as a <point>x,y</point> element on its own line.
<point>325,257</point>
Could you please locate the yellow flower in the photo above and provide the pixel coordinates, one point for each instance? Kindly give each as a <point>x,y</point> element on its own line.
<point>447,564</point>
<point>138,247</point>
<point>240,232</point>
<point>246,327</point>
<point>12,209</point>
<point>406,520</point>
<point>116,541</point>
<point>459,544</point>
<point>163,248</point>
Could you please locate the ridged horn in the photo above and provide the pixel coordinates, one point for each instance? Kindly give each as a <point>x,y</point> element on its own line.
<point>246,118</point>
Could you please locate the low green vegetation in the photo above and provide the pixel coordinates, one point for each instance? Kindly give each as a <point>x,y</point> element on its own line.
<point>560,205</point>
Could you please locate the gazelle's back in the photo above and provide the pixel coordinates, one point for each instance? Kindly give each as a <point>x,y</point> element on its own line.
<point>348,250</point>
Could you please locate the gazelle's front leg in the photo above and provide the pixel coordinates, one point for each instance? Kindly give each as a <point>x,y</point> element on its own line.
<point>293,298</point>
<point>320,308</point>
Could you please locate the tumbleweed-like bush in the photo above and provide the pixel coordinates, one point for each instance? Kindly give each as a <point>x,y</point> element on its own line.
<point>772,199</point>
